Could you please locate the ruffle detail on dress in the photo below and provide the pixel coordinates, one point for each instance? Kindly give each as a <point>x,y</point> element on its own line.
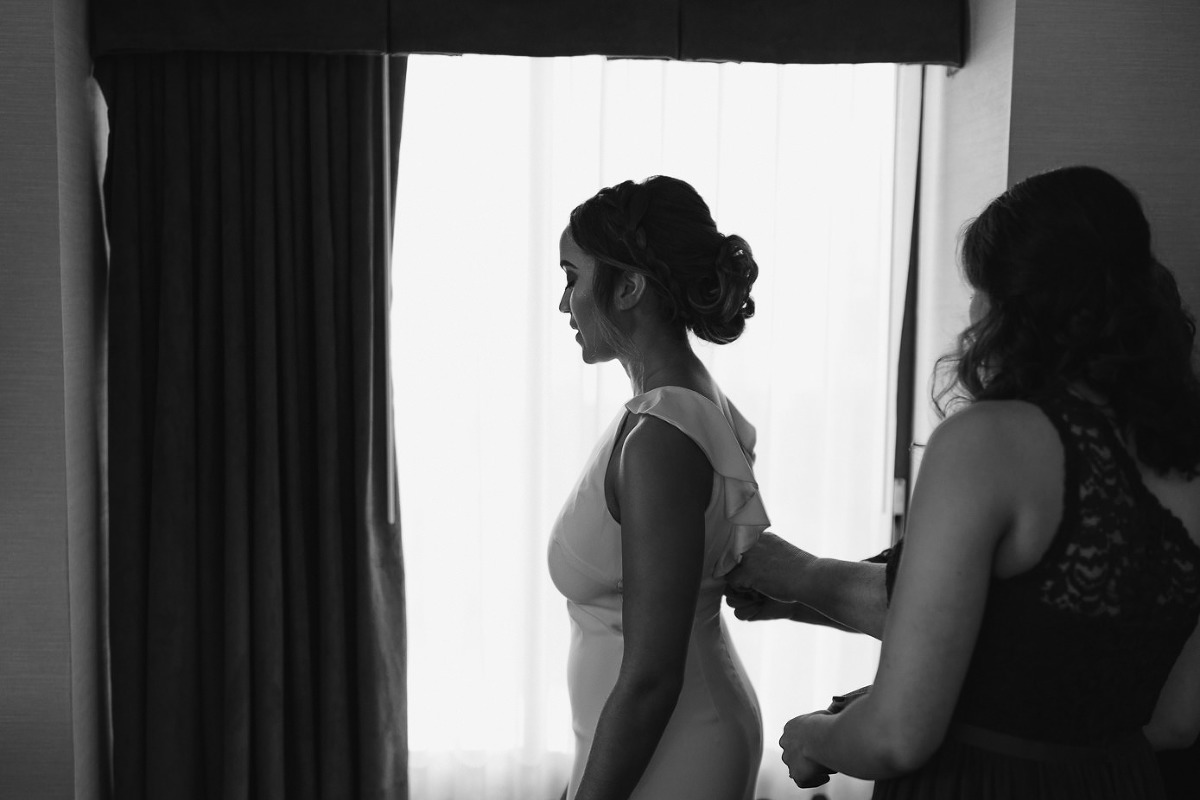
<point>744,508</point>
<point>729,446</point>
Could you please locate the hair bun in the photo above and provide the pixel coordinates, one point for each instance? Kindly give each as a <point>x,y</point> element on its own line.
<point>661,228</point>
<point>717,305</point>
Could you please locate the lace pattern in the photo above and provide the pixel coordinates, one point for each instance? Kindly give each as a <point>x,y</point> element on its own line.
<point>1119,554</point>
<point>1085,639</point>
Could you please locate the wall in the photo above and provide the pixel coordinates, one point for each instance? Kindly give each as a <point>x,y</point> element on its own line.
<point>50,721</point>
<point>964,164</point>
<point>1116,83</point>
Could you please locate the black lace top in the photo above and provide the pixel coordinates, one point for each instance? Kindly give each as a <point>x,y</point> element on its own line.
<point>1076,649</point>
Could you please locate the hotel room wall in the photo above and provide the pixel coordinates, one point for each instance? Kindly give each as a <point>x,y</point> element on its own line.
<point>1116,83</point>
<point>964,164</point>
<point>1049,83</point>
<point>50,720</point>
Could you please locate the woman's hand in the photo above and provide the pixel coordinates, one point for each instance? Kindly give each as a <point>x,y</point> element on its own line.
<point>750,605</point>
<point>807,774</point>
<point>773,567</point>
<point>777,580</point>
<point>803,770</point>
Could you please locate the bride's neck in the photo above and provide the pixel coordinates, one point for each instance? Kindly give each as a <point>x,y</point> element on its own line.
<point>669,363</point>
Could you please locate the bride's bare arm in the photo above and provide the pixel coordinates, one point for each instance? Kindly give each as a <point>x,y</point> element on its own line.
<point>663,486</point>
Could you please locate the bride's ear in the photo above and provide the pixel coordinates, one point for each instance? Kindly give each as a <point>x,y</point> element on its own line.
<point>630,289</point>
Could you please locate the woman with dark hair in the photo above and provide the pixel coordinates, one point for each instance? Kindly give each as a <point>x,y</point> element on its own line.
<point>665,505</point>
<point>1041,633</point>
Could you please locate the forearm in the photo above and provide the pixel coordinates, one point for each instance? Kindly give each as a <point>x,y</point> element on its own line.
<point>851,593</point>
<point>1165,737</point>
<point>627,734</point>
<point>809,615</point>
<point>1175,723</point>
<point>1172,727</point>
<point>852,742</point>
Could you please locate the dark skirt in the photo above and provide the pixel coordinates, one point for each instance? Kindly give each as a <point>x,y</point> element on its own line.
<point>977,764</point>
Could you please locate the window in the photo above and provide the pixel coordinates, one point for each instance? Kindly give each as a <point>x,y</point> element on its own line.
<point>496,414</point>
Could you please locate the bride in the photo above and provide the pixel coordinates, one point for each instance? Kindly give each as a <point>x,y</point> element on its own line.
<point>661,704</point>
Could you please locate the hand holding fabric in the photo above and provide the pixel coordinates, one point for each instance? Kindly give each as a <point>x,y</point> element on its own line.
<point>772,567</point>
<point>803,770</point>
<point>753,606</point>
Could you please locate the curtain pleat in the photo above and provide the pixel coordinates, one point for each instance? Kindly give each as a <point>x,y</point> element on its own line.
<point>256,580</point>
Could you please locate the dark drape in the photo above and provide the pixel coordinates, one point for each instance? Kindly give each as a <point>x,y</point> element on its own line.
<point>779,31</point>
<point>823,31</point>
<point>906,367</point>
<point>256,585</point>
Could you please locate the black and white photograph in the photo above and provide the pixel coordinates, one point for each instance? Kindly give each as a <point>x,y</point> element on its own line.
<point>599,400</point>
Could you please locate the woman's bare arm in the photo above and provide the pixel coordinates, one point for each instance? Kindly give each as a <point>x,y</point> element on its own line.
<point>1176,720</point>
<point>963,505</point>
<point>850,594</point>
<point>810,616</point>
<point>664,484</point>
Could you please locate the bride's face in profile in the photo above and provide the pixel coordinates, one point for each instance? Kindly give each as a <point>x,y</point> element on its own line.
<point>579,302</point>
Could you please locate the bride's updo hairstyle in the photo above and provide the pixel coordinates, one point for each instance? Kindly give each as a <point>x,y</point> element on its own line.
<point>1075,295</point>
<point>661,228</point>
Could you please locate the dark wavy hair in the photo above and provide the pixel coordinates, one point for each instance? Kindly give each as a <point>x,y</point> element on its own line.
<point>1076,296</point>
<point>661,228</point>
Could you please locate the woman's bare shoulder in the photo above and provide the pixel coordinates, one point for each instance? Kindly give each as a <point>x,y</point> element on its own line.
<point>1010,443</point>
<point>655,444</point>
<point>996,430</point>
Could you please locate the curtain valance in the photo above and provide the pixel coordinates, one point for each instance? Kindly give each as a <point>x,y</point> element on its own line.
<point>779,31</point>
<point>233,26</point>
<point>824,31</point>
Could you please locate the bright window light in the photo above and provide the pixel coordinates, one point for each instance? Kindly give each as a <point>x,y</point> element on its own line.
<point>496,414</point>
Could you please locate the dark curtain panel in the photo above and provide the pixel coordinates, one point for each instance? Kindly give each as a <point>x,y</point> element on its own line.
<point>255,571</point>
<point>906,368</point>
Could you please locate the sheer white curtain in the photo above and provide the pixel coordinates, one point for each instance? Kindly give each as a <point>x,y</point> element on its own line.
<point>496,413</point>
